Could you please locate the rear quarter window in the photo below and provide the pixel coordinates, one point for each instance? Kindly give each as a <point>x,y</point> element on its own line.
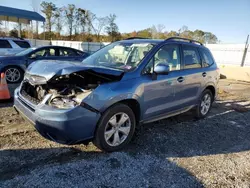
<point>22,44</point>
<point>5,44</point>
<point>207,59</point>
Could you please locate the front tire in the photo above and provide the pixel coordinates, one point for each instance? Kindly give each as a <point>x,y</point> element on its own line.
<point>205,104</point>
<point>13,74</point>
<point>115,128</point>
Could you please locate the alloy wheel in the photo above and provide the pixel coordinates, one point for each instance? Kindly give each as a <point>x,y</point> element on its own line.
<point>12,75</point>
<point>205,104</point>
<point>117,129</point>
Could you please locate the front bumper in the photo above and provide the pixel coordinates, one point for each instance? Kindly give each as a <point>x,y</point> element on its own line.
<point>68,126</point>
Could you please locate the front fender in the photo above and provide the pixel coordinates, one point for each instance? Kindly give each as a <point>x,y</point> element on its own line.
<point>4,65</point>
<point>102,98</point>
<point>118,99</point>
<point>107,95</point>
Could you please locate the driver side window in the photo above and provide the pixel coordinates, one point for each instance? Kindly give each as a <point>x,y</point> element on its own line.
<point>38,53</point>
<point>46,52</point>
<point>169,55</point>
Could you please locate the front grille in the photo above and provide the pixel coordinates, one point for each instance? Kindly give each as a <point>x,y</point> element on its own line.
<point>28,92</point>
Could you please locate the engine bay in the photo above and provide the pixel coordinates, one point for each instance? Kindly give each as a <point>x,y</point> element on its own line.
<point>66,91</point>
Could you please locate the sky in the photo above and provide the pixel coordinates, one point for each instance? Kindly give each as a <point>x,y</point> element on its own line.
<point>229,20</point>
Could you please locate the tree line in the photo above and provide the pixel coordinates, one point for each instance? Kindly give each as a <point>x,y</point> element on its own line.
<point>74,23</point>
<point>81,24</point>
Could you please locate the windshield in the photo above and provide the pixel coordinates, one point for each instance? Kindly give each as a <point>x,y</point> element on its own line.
<point>120,55</point>
<point>25,52</point>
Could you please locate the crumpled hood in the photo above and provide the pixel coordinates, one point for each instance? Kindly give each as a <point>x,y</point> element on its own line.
<point>50,68</point>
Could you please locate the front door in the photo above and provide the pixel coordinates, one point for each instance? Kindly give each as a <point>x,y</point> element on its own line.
<point>159,93</point>
<point>46,53</point>
<point>189,82</point>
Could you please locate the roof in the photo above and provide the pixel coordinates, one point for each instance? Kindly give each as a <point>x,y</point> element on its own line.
<point>13,14</point>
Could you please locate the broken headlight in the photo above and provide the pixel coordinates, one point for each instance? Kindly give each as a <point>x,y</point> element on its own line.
<point>34,79</point>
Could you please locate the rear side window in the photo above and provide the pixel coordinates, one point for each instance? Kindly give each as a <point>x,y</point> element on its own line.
<point>207,58</point>
<point>22,44</point>
<point>66,52</point>
<point>5,44</point>
<point>191,57</point>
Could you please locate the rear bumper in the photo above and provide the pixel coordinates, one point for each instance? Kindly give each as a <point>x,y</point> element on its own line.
<point>69,126</point>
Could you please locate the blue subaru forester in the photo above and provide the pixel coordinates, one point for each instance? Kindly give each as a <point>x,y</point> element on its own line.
<point>127,83</point>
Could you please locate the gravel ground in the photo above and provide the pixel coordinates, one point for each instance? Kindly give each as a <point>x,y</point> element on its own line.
<point>176,152</point>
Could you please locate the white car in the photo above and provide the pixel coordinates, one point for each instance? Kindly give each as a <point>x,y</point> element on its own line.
<point>10,46</point>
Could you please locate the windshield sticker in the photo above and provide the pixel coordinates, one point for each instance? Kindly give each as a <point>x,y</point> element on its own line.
<point>127,67</point>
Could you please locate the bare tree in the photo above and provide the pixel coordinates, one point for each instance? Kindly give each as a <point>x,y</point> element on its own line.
<point>160,28</point>
<point>90,17</point>
<point>154,32</point>
<point>70,12</point>
<point>81,20</point>
<point>98,26</point>
<point>184,28</point>
<point>58,20</point>
<point>157,31</point>
<point>112,28</point>
<point>48,9</point>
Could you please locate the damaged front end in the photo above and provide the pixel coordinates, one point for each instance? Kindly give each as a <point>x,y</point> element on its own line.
<point>64,91</point>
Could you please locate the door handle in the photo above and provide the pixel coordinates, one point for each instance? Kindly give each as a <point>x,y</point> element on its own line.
<point>204,74</point>
<point>180,79</point>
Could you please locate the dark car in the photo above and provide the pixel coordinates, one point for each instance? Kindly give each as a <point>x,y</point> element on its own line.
<point>119,87</point>
<point>15,66</point>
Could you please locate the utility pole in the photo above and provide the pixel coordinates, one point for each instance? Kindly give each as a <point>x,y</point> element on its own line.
<point>245,52</point>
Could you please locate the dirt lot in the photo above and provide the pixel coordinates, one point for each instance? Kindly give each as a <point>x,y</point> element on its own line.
<point>176,152</point>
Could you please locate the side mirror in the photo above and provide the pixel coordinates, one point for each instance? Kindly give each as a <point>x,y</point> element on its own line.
<point>162,68</point>
<point>33,56</point>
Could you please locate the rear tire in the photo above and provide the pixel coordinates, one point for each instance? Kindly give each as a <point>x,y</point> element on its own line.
<point>115,128</point>
<point>205,104</point>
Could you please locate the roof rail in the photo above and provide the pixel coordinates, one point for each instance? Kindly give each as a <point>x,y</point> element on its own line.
<point>185,39</point>
<point>131,38</point>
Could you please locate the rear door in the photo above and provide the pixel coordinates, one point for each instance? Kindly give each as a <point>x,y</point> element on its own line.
<point>68,54</point>
<point>190,80</point>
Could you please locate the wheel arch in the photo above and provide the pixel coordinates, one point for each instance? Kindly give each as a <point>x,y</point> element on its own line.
<point>135,107</point>
<point>132,103</point>
<point>20,68</point>
<point>212,89</point>
<point>16,66</point>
